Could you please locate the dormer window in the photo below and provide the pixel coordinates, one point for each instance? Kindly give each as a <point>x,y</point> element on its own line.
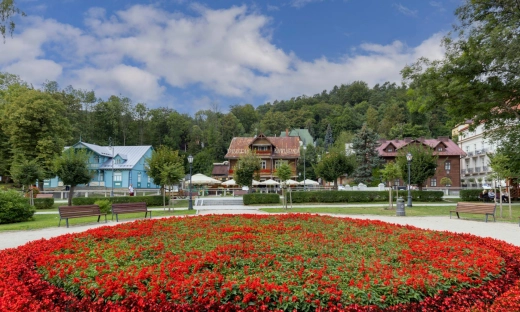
<point>262,148</point>
<point>439,149</point>
<point>390,150</point>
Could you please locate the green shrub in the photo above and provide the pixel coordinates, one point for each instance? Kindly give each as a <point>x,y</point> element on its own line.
<point>151,201</point>
<point>104,205</point>
<point>14,208</point>
<point>43,203</point>
<point>256,198</point>
<point>361,196</point>
<point>470,195</point>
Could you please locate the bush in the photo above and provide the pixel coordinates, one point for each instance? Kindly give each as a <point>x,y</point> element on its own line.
<point>104,205</point>
<point>361,196</point>
<point>43,203</point>
<point>156,200</point>
<point>252,199</point>
<point>470,195</point>
<point>14,208</point>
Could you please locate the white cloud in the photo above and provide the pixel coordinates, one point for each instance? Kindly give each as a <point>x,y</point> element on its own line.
<point>140,51</point>
<point>302,3</point>
<point>404,10</point>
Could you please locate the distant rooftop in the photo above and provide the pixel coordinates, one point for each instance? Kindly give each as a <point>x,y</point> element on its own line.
<point>304,135</point>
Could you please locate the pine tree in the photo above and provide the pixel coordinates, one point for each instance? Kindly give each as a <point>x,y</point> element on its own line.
<point>365,146</point>
<point>329,140</point>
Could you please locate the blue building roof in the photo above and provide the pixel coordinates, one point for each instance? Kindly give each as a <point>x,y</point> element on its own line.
<point>129,154</point>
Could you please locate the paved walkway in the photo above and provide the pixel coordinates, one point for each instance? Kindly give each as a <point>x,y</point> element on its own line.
<point>508,232</point>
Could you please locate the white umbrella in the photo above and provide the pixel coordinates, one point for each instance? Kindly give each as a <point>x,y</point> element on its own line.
<point>291,182</point>
<point>229,182</point>
<point>255,183</point>
<point>269,182</point>
<point>199,178</point>
<point>309,182</point>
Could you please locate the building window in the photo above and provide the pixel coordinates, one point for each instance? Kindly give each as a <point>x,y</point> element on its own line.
<point>397,182</point>
<point>279,163</point>
<point>96,159</point>
<point>439,149</point>
<point>102,176</point>
<point>447,165</point>
<point>149,180</point>
<point>139,177</point>
<point>390,149</point>
<point>433,181</point>
<point>262,148</point>
<point>118,176</point>
<point>263,164</point>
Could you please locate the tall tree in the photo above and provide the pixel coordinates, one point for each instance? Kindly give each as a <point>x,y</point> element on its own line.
<point>8,9</point>
<point>247,116</point>
<point>72,168</point>
<point>35,124</point>
<point>329,139</point>
<point>332,166</point>
<point>365,145</point>
<point>422,166</point>
<point>163,159</point>
<point>245,169</point>
<point>284,173</point>
<point>501,165</point>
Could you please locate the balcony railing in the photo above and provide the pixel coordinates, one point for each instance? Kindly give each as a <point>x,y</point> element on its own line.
<point>485,169</point>
<point>462,171</point>
<point>478,169</point>
<point>470,170</point>
<point>470,154</point>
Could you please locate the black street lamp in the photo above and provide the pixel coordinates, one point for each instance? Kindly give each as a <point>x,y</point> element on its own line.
<point>190,202</point>
<point>409,158</point>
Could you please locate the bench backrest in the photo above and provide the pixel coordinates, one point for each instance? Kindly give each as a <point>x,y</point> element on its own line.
<point>83,210</point>
<point>476,207</point>
<point>44,196</point>
<point>141,206</point>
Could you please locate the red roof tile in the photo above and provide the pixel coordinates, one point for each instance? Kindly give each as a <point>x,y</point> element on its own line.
<point>451,148</point>
<point>284,147</point>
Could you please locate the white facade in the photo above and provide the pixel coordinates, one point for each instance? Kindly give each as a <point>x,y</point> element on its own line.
<point>476,164</point>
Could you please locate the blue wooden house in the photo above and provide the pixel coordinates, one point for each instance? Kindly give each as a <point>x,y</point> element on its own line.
<point>115,166</point>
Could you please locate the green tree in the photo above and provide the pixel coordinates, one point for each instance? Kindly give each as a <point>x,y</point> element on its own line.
<point>171,174</point>
<point>273,123</point>
<point>72,168</point>
<point>35,124</point>
<point>284,173</point>
<point>390,173</point>
<point>247,116</point>
<point>27,172</point>
<point>163,159</point>
<point>501,165</point>
<point>422,166</point>
<point>365,145</point>
<point>245,169</point>
<point>372,118</point>
<point>478,77</point>
<point>332,166</point>
<point>329,140</point>
<point>8,10</point>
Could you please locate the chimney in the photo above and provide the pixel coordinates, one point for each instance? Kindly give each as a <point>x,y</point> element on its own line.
<point>443,138</point>
<point>286,132</point>
<point>408,140</point>
<point>420,139</point>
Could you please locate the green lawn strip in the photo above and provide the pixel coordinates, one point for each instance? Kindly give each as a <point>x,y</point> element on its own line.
<point>415,211</point>
<point>41,221</point>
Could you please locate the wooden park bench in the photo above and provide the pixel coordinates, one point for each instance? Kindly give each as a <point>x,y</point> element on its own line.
<point>478,208</point>
<point>44,196</point>
<point>67,212</point>
<point>130,208</point>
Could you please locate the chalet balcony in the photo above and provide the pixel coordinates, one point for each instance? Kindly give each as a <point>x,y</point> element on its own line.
<point>263,152</point>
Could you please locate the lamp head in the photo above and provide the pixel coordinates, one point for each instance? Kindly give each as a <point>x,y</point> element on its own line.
<point>409,156</point>
<point>190,159</point>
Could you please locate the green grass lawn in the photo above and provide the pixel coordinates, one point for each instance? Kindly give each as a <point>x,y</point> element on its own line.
<point>416,211</point>
<point>51,220</point>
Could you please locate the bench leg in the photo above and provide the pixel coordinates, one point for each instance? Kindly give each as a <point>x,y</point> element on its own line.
<point>117,218</point>
<point>67,222</point>
<point>59,223</point>
<point>458,215</point>
<point>106,219</point>
<point>98,218</point>
<point>486,218</point>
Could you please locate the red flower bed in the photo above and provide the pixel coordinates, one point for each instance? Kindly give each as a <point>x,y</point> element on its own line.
<point>252,263</point>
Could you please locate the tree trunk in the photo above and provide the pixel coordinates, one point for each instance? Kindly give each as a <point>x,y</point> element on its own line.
<point>71,193</point>
<point>164,195</point>
<point>509,200</point>
<point>391,199</point>
<point>40,185</point>
<point>500,198</point>
<point>336,184</point>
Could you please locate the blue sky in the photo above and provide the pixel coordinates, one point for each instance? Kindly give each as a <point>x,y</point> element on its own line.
<point>190,55</point>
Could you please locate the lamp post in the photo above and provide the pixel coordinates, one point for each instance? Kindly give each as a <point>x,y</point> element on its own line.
<point>112,148</point>
<point>190,202</point>
<point>409,159</point>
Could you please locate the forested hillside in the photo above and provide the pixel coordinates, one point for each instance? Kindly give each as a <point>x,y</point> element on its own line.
<point>207,133</point>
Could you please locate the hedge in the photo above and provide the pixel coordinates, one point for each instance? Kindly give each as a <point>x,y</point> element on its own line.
<point>361,196</point>
<point>14,207</point>
<point>43,203</point>
<point>155,200</point>
<point>470,195</point>
<point>257,198</point>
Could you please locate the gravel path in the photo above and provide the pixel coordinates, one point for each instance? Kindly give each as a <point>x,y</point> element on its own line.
<point>508,232</point>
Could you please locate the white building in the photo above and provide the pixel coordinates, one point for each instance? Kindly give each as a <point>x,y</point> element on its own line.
<point>476,163</point>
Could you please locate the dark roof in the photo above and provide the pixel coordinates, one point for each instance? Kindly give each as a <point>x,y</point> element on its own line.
<point>220,169</point>
<point>451,149</point>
